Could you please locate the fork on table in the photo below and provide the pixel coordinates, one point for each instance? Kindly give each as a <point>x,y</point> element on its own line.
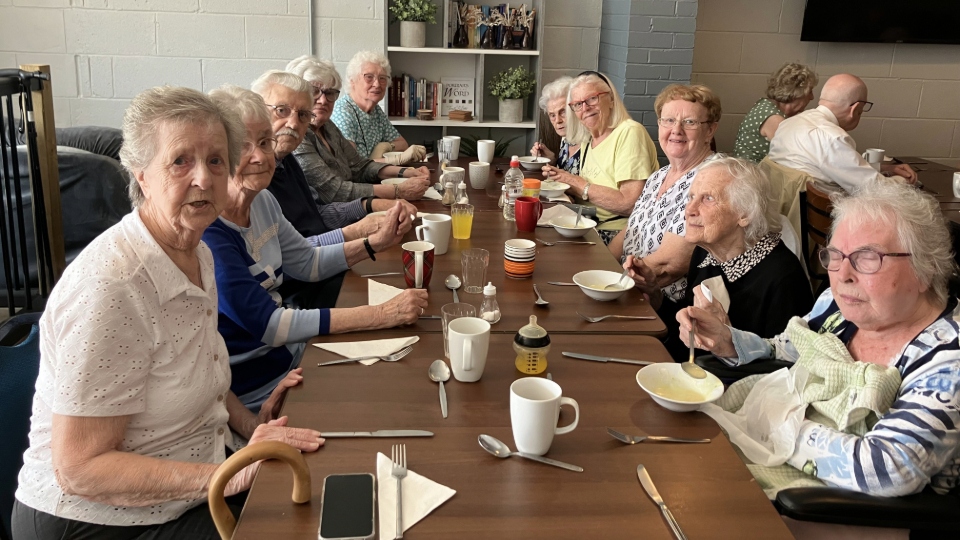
<point>387,358</point>
<point>633,439</point>
<point>602,317</point>
<point>399,457</point>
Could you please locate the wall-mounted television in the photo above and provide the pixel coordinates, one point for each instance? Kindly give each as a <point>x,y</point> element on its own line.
<point>882,21</point>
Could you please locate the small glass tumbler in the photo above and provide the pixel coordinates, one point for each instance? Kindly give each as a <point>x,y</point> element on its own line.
<point>474,261</point>
<point>450,312</point>
<point>462,215</point>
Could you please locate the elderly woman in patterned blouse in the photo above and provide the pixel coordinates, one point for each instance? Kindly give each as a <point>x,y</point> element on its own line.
<point>133,410</point>
<point>553,101</point>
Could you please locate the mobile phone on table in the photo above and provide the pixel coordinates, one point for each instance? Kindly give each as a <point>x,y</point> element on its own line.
<point>348,510</point>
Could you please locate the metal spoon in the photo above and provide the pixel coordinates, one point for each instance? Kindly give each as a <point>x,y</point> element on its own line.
<point>439,372</point>
<point>539,301</point>
<point>689,367</point>
<point>501,450</point>
<point>453,283</point>
<point>579,215</point>
<point>616,284</point>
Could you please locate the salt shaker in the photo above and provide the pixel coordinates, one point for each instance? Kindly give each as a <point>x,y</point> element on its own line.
<point>462,197</point>
<point>449,194</point>
<point>490,309</point>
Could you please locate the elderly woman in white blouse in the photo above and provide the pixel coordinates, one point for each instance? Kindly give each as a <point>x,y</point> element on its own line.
<point>553,101</point>
<point>133,411</point>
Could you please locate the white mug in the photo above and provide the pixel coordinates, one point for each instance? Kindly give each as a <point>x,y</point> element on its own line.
<point>956,185</point>
<point>454,146</point>
<point>874,157</point>
<point>485,148</point>
<point>479,174</point>
<point>534,412</point>
<point>436,229</point>
<point>469,340</point>
<point>452,174</point>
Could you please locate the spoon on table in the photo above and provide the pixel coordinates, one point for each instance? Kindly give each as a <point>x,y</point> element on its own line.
<point>439,372</point>
<point>453,283</point>
<point>497,448</point>
<point>616,284</point>
<point>689,367</point>
<point>539,301</point>
<point>579,215</point>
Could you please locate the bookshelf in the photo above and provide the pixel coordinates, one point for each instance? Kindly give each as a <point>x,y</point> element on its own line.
<point>437,61</point>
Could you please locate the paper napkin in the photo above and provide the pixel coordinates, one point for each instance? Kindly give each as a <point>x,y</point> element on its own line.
<point>563,197</point>
<point>717,291</point>
<point>432,193</point>
<point>557,211</point>
<point>379,347</point>
<point>420,497</point>
<point>378,293</point>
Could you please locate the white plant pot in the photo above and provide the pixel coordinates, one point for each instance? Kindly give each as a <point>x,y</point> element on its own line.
<point>413,34</point>
<point>511,110</point>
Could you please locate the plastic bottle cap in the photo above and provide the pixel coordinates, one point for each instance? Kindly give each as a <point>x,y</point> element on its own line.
<point>490,289</point>
<point>531,183</point>
<point>532,336</point>
<point>514,161</point>
<point>462,185</point>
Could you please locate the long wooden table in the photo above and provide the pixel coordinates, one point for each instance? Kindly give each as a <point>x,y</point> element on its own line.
<point>706,485</point>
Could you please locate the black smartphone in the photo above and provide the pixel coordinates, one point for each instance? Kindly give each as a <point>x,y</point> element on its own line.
<point>348,509</point>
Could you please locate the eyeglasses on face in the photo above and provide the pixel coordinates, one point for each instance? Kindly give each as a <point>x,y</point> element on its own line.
<point>371,77</point>
<point>330,93</point>
<point>283,111</point>
<point>577,106</point>
<point>864,261</point>
<point>687,123</point>
<point>267,145</point>
<point>867,105</point>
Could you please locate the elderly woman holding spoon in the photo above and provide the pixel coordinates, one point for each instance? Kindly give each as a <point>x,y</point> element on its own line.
<point>553,101</point>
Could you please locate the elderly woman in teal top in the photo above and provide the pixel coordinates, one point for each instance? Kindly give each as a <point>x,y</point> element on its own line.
<point>789,91</point>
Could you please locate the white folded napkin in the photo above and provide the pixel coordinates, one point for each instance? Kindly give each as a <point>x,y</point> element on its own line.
<point>420,497</point>
<point>378,347</point>
<point>432,193</point>
<point>378,293</point>
<point>563,197</point>
<point>550,213</point>
<point>715,291</point>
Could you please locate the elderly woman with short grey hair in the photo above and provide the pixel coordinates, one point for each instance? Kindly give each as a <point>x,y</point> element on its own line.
<point>331,163</point>
<point>789,91</point>
<point>359,117</point>
<point>553,102</point>
<point>133,410</point>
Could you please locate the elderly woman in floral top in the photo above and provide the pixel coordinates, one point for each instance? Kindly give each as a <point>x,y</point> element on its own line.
<point>553,101</point>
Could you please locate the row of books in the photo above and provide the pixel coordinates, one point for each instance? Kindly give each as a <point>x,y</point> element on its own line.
<point>407,95</point>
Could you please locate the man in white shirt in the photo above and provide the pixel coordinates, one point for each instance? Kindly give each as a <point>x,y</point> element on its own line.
<point>817,143</point>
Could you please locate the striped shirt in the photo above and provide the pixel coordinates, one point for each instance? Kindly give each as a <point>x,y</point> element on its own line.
<point>916,443</point>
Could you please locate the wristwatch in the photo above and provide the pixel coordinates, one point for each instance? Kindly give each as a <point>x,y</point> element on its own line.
<point>402,170</point>
<point>586,191</point>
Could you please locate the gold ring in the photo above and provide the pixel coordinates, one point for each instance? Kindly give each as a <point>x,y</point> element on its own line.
<point>422,311</point>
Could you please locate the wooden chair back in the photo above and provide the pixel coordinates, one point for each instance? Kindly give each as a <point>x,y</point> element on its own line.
<point>817,228</point>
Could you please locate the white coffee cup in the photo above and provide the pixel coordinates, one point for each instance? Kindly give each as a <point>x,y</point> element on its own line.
<point>453,174</point>
<point>479,174</point>
<point>436,229</point>
<point>956,185</point>
<point>469,340</point>
<point>485,148</point>
<point>454,146</point>
<point>874,157</point>
<point>534,412</point>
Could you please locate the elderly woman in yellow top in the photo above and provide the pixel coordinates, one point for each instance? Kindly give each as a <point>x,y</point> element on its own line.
<point>617,154</point>
<point>133,410</point>
<point>789,91</point>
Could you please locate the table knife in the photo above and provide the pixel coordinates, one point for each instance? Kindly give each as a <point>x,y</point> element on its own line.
<point>605,359</point>
<point>651,490</point>
<point>378,433</point>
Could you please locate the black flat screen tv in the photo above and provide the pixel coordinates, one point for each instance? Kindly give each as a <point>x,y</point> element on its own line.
<point>883,21</point>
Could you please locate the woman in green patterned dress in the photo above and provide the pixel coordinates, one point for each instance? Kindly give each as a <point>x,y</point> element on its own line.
<point>789,91</point>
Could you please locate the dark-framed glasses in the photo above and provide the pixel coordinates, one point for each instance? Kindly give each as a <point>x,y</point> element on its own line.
<point>283,111</point>
<point>267,145</point>
<point>864,261</point>
<point>867,105</point>
<point>577,106</point>
<point>687,124</point>
<point>330,93</point>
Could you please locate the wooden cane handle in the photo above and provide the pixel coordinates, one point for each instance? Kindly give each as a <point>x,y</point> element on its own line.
<point>222,516</point>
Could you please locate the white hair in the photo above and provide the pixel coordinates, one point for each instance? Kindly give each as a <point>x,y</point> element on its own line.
<point>248,104</point>
<point>312,69</point>
<point>577,133</point>
<point>355,67</point>
<point>557,89</point>
<point>282,78</point>
<point>749,195</point>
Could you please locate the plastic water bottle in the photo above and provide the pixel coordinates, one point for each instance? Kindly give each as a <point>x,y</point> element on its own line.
<point>513,187</point>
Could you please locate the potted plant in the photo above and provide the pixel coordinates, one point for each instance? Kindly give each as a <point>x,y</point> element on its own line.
<point>413,16</point>
<point>512,86</point>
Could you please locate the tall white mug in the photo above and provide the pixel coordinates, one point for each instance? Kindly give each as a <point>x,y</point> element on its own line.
<point>485,148</point>
<point>956,184</point>
<point>479,174</point>
<point>454,146</point>
<point>534,412</point>
<point>874,157</point>
<point>469,340</point>
<point>436,229</point>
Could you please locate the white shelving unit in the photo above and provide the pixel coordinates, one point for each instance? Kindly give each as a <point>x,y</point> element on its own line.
<point>437,60</point>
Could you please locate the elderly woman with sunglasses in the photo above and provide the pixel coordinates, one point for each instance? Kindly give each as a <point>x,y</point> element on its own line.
<point>359,116</point>
<point>889,260</point>
<point>553,101</point>
<point>330,162</point>
<point>617,152</point>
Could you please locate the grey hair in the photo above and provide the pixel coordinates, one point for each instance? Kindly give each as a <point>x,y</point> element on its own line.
<point>577,133</point>
<point>163,105</point>
<point>919,224</point>
<point>559,88</point>
<point>312,69</point>
<point>749,195</point>
<point>791,82</point>
<point>355,67</point>
<point>248,104</point>
<point>282,78</point>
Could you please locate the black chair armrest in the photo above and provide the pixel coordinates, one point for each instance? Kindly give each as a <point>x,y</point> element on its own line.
<point>925,511</point>
<point>729,375</point>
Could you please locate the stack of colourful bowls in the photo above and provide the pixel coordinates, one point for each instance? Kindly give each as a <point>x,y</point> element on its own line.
<point>519,257</point>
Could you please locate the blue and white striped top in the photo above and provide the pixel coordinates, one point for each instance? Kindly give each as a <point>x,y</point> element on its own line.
<point>916,443</point>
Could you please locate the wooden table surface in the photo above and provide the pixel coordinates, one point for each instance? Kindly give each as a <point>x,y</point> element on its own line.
<point>937,179</point>
<point>706,486</point>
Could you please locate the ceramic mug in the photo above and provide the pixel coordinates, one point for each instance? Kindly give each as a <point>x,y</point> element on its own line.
<point>534,412</point>
<point>485,148</point>
<point>874,157</point>
<point>454,146</point>
<point>956,184</point>
<point>417,263</point>
<point>435,230</point>
<point>479,174</point>
<point>527,212</point>
<point>469,341</point>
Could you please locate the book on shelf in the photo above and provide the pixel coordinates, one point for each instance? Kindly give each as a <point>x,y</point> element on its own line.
<point>407,95</point>
<point>458,95</point>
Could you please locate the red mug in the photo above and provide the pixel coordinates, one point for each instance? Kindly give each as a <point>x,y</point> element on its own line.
<point>527,211</point>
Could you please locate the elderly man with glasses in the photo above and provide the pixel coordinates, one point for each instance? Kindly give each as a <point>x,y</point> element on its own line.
<point>816,141</point>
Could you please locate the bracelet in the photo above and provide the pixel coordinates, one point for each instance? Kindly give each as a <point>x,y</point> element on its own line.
<point>370,251</point>
<point>402,170</point>
<point>369,205</point>
<point>396,191</point>
<point>586,190</point>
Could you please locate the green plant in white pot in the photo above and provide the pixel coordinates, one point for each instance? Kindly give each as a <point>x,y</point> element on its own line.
<point>512,86</point>
<point>413,16</point>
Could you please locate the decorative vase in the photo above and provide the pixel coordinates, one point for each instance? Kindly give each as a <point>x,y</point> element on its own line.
<point>460,37</point>
<point>413,34</point>
<point>517,36</point>
<point>511,111</point>
<point>527,38</point>
<point>506,37</point>
<point>487,41</point>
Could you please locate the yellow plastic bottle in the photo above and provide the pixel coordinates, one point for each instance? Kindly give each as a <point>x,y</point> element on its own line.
<point>532,343</point>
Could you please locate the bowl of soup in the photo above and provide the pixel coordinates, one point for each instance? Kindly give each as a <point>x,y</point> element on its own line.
<point>670,386</point>
<point>593,283</point>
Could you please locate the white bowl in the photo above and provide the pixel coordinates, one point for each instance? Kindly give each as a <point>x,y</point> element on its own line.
<point>673,389</point>
<point>564,226</point>
<point>533,163</point>
<point>592,282</point>
<point>549,188</point>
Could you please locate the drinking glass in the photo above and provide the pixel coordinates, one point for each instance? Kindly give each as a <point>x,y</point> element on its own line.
<point>462,215</point>
<point>450,312</point>
<point>474,261</point>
